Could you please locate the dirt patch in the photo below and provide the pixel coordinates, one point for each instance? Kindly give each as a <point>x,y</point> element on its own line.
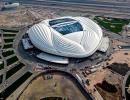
<point>107,87</point>
<point>59,86</point>
<point>110,77</point>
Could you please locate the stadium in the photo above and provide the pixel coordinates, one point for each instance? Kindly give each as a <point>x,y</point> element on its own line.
<point>61,38</point>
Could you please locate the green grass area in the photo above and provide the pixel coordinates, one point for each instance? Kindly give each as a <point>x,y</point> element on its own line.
<point>8,91</point>
<point>128,82</point>
<point>10,30</point>
<point>8,46</point>
<point>1,77</point>
<point>8,53</point>
<point>14,70</point>
<point>11,60</point>
<point>8,40</point>
<point>127,85</point>
<point>127,95</point>
<point>54,98</point>
<point>2,65</point>
<point>112,24</point>
<point>9,35</point>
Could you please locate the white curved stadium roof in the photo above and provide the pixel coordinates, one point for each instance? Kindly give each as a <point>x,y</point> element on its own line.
<point>67,36</point>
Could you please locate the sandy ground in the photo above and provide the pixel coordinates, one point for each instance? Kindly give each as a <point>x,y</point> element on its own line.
<point>42,88</point>
<point>103,74</point>
<point>14,18</point>
<point>120,57</point>
<point>112,78</point>
<point>21,16</point>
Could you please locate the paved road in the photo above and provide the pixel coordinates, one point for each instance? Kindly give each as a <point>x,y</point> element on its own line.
<point>112,5</point>
<point>83,2</point>
<point>118,6</point>
<point>110,9</point>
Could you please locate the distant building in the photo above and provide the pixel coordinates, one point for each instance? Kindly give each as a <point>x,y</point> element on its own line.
<point>9,4</point>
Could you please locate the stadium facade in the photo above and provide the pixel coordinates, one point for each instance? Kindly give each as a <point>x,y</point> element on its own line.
<point>75,37</point>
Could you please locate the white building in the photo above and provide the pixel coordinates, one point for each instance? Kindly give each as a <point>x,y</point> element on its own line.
<point>26,44</point>
<point>75,37</point>
<point>8,5</point>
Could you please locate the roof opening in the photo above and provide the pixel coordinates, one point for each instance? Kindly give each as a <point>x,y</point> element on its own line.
<point>66,25</point>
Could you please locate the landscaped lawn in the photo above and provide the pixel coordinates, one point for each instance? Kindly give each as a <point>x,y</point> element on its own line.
<point>14,70</point>
<point>7,46</point>
<point>127,85</point>
<point>2,65</point>
<point>112,24</point>
<point>10,30</point>
<point>8,91</point>
<point>8,53</point>
<point>7,34</point>
<point>8,40</point>
<point>11,60</point>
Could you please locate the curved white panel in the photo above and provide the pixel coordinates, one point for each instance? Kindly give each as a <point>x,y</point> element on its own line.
<point>78,44</point>
<point>66,46</point>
